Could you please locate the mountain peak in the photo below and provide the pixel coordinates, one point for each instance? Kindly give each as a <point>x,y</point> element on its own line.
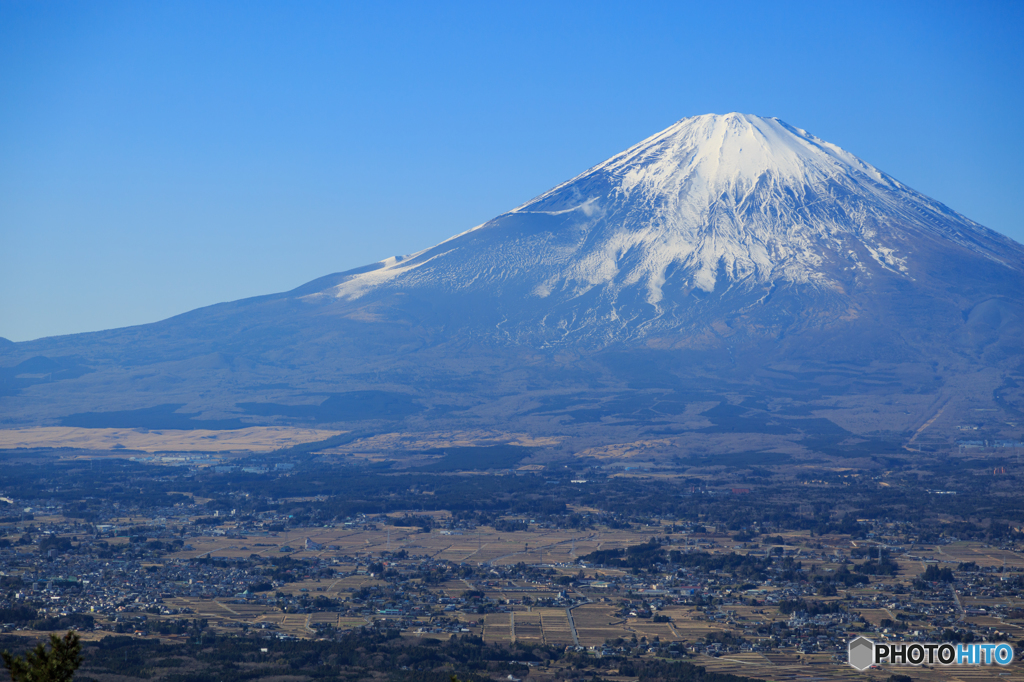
<point>698,158</point>
<point>737,149</point>
<point>714,203</point>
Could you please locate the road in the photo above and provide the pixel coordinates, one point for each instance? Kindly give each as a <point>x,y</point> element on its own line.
<point>572,623</point>
<point>956,598</point>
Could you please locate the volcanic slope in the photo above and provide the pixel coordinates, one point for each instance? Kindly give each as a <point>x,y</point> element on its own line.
<point>738,206</point>
<point>728,260</point>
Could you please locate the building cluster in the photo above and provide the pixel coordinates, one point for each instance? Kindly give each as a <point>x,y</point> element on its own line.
<point>120,573</point>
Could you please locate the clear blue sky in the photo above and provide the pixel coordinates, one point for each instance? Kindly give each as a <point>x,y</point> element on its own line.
<point>160,156</point>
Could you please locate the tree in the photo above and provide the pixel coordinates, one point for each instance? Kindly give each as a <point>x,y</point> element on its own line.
<point>934,574</point>
<point>39,665</point>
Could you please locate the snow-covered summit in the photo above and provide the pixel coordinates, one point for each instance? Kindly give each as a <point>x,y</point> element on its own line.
<point>705,156</point>
<point>712,203</point>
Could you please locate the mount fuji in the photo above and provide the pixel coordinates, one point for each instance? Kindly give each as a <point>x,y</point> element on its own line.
<point>729,260</point>
<point>736,209</point>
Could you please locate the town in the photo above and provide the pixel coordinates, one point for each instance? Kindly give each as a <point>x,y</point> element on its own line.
<point>770,596</point>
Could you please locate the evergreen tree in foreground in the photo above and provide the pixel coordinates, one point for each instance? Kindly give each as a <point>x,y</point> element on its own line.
<point>39,665</point>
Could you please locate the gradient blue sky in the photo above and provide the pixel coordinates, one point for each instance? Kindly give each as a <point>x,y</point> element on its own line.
<point>158,157</point>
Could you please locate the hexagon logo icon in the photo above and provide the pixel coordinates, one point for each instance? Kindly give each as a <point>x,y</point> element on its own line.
<point>861,653</point>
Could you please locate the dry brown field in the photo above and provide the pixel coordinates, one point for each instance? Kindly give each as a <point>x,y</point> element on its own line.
<point>497,628</point>
<point>596,623</point>
<point>555,624</point>
<point>485,546</point>
<point>252,439</point>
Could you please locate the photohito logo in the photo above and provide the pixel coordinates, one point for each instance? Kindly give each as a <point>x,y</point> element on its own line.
<point>864,653</point>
